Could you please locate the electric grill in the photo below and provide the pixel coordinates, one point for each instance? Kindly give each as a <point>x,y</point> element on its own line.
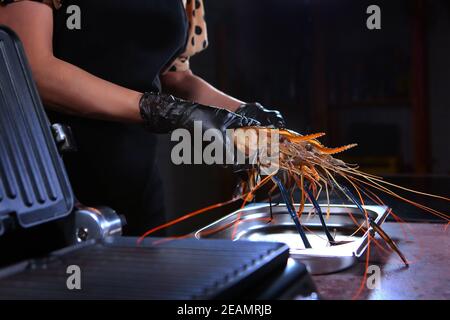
<point>35,190</point>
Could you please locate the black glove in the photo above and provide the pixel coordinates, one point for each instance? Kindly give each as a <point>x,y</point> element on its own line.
<point>267,118</point>
<point>165,113</point>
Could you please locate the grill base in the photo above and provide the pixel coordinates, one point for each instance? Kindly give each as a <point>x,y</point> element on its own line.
<point>117,268</point>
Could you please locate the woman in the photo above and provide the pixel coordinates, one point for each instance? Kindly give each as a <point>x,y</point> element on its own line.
<point>110,78</point>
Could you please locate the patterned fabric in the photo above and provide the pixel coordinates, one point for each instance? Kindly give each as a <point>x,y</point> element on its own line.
<point>197,33</point>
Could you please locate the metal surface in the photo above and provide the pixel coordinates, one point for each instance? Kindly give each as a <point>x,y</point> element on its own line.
<point>118,268</point>
<point>93,223</point>
<point>64,138</point>
<point>322,258</point>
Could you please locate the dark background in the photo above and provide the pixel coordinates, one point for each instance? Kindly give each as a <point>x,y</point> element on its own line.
<point>316,61</point>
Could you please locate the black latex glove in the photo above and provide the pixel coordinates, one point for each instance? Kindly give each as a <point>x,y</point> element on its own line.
<point>267,118</point>
<point>165,113</point>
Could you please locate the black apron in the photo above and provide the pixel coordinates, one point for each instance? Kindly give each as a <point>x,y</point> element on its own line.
<point>127,42</point>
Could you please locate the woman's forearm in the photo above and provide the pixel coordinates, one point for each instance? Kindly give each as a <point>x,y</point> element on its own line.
<point>70,89</point>
<point>190,87</point>
<point>62,85</point>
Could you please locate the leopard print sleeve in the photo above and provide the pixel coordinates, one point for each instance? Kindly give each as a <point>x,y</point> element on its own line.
<point>55,4</point>
<point>197,35</point>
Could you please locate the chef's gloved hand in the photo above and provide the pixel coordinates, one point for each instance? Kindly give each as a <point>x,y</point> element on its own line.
<point>164,113</point>
<point>267,118</point>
